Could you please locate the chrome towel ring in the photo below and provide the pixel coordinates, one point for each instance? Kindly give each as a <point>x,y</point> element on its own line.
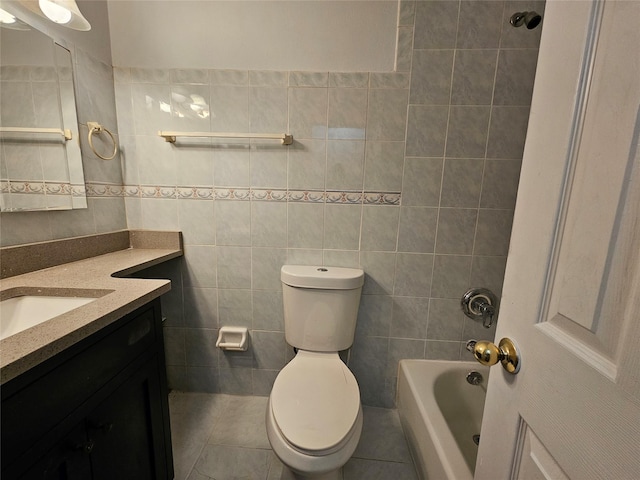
<point>95,127</point>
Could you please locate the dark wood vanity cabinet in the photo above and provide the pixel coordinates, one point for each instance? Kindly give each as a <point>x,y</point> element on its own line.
<point>98,410</point>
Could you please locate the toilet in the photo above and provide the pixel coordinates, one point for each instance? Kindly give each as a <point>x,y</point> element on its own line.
<point>314,416</point>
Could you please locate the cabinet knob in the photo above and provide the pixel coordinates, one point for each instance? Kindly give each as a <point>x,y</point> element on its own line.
<point>86,447</point>
<point>106,427</point>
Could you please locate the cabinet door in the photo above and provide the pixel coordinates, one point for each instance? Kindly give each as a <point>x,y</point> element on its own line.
<point>127,430</point>
<point>69,459</point>
<point>70,380</point>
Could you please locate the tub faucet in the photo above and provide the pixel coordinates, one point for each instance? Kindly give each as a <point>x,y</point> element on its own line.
<point>471,344</point>
<point>474,378</point>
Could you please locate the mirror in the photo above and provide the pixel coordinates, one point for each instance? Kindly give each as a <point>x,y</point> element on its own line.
<point>40,169</point>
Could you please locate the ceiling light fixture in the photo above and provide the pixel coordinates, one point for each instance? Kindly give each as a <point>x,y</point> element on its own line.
<point>6,17</point>
<point>8,20</point>
<point>64,12</point>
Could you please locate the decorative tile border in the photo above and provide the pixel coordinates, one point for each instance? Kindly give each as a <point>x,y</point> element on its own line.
<point>147,191</point>
<point>78,191</point>
<point>196,193</point>
<point>344,197</point>
<point>102,190</point>
<point>381,198</point>
<point>27,187</point>
<point>306,196</point>
<point>131,191</point>
<point>243,194</point>
<point>269,195</point>
<point>41,188</point>
<point>232,193</point>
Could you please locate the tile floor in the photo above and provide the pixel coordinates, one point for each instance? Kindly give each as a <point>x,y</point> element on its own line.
<point>223,437</point>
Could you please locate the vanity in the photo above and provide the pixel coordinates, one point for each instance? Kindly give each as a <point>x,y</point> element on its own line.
<point>84,394</point>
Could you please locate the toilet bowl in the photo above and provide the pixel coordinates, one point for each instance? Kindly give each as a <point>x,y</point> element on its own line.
<point>314,416</point>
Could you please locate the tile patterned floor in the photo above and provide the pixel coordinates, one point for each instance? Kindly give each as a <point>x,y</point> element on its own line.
<point>222,437</point>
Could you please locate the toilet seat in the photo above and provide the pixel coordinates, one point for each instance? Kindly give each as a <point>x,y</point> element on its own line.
<point>315,402</point>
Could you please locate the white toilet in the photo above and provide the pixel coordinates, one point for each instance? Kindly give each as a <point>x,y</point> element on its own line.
<point>314,417</point>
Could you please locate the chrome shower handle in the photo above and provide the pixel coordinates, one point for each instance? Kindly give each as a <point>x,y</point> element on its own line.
<point>487,311</point>
<point>480,304</point>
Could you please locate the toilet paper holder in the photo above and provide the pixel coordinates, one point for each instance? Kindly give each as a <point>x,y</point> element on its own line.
<point>233,338</point>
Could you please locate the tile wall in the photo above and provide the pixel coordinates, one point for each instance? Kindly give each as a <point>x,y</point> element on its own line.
<point>106,211</point>
<point>411,175</point>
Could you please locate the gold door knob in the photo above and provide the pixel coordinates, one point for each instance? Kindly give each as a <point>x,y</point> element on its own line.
<point>488,353</point>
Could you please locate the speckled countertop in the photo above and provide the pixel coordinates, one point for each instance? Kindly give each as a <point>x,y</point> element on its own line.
<point>99,276</point>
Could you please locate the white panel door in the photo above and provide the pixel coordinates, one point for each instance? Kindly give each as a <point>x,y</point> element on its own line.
<point>571,299</point>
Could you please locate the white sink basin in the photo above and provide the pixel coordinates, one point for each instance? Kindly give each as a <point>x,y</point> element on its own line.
<point>19,313</point>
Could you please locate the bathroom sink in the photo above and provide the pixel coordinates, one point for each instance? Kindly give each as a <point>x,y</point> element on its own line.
<point>25,311</point>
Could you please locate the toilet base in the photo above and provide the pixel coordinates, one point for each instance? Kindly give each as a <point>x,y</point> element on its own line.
<point>288,474</point>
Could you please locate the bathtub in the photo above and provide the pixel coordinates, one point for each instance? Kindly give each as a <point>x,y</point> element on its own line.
<point>440,413</point>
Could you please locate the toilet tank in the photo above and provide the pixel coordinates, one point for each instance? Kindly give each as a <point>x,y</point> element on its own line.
<point>320,306</point>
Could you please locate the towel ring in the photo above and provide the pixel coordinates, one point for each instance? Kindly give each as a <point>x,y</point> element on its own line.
<point>95,127</point>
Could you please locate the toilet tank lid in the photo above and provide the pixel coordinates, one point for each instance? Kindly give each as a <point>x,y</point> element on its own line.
<point>333,278</point>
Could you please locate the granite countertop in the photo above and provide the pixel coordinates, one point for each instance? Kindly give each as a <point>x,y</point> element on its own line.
<point>99,276</point>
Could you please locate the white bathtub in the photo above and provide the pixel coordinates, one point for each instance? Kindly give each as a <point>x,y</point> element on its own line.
<point>440,413</point>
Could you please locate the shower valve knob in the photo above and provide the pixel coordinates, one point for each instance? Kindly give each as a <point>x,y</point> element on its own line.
<point>488,353</point>
<point>480,304</point>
